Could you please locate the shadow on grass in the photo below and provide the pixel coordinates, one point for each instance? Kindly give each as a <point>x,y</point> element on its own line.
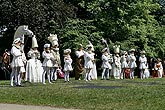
<point>98,87</point>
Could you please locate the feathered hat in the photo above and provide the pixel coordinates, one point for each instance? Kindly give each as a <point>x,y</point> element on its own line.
<point>53,39</point>
<point>105,49</point>
<point>34,42</point>
<point>90,46</point>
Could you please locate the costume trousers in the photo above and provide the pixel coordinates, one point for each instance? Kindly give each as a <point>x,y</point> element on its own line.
<point>66,76</point>
<point>53,73</point>
<point>131,73</point>
<point>142,73</point>
<point>122,74</point>
<point>105,73</point>
<point>87,74</point>
<point>160,73</point>
<point>48,71</point>
<point>15,74</point>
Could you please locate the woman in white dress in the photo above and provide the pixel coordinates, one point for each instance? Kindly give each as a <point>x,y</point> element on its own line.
<point>132,63</point>
<point>47,63</point>
<point>124,64</point>
<point>34,68</point>
<point>17,63</point>
<point>68,64</point>
<point>116,62</point>
<point>106,64</point>
<point>89,59</point>
<point>143,64</point>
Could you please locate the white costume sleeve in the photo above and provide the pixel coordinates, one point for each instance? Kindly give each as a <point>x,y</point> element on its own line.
<point>15,52</point>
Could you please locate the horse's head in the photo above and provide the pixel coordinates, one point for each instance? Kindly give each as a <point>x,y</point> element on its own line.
<point>23,30</point>
<point>53,39</point>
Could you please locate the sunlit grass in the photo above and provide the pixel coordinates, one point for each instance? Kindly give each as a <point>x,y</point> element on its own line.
<point>147,94</point>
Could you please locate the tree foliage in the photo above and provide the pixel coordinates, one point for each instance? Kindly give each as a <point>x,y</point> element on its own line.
<point>135,24</point>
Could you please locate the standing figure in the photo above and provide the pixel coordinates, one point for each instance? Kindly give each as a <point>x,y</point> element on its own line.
<point>6,62</point>
<point>34,67</point>
<point>132,63</point>
<point>143,64</point>
<point>55,51</point>
<point>159,68</point>
<point>68,64</point>
<point>17,63</point>
<point>89,59</point>
<point>116,62</point>
<point>106,64</point>
<point>124,64</point>
<point>47,63</point>
<point>79,67</point>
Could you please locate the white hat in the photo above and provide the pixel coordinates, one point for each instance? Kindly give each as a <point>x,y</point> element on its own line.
<point>143,52</point>
<point>16,40</point>
<point>116,48</point>
<point>124,52</point>
<point>53,39</point>
<point>132,50</point>
<point>105,49</point>
<point>89,46</point>
<point>67,51</point>
<point>46,45</point>
<point>34,42</point>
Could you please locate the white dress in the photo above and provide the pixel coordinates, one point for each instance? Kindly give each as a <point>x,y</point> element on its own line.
<point>105,63</point>
<point>143,62</point>
<point>48,59</point>
<point>116,67</point>
<point>132,63</point>
<point>124,63</point>
<point>68,63</point>
<point>34,67</point>
<point>88,57</point>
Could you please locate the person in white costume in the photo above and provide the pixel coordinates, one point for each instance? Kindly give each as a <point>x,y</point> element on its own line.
<point>106,64</point>
<point>93,74</point>
<point>143,63</point>
<point>132,63</point>
<point>68,64</point>
<point>34,67</point>
<point>124,64</point>
<point>89,59</point>
<point>116,62</point>
<point>47,63</point>
<point>55,51</point>
<point>158,66</point>
<point>17,63</point>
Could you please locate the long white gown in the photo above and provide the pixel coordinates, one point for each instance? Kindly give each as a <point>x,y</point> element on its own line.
<point>34,67</point>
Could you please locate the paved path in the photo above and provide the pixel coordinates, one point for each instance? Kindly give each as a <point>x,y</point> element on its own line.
<point>28,107</point>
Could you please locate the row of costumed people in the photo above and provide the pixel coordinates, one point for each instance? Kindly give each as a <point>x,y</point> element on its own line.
<point>120,66</point>
<point>85,63</point>
<point>35,71</point>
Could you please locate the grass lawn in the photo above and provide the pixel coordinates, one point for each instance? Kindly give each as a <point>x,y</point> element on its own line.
<point>147,94</point>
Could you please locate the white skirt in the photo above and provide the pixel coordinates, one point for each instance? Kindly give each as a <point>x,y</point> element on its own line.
<point>124,65</point>
<point>34,71</point>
